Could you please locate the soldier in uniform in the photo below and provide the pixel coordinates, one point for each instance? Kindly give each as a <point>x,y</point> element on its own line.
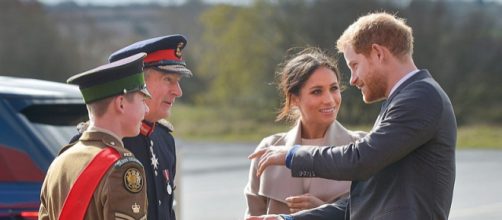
<point>155,146</point>
<point>96,177</point>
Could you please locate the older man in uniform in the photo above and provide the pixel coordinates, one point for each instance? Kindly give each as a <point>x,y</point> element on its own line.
<point>155,146</point>
<point>96,177</point>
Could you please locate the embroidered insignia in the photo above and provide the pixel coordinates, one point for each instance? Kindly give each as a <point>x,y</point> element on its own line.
<point>133,181</point>
<point>178,49</point>
<point>126,160</point>
<point>123,216</point>
<point>135,208</point>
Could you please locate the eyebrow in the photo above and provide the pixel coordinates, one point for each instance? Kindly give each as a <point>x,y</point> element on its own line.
<point>320,86</point>
<point>315,87</point>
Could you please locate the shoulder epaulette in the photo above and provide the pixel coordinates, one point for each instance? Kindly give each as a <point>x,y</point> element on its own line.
<point>166,124</point>
<point>66,147</point>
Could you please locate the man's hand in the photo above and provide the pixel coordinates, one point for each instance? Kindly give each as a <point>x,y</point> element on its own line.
<point>303,202</point>
<point>264,217</point>
<point>274,155</point>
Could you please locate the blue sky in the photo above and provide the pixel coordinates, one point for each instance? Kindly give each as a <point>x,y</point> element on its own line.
<point>123,2</point>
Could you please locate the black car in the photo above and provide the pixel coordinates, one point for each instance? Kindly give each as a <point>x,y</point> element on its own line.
<point>36,118</point>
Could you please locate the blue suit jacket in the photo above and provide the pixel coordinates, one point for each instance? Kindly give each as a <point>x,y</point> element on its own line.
<point>404,168</point>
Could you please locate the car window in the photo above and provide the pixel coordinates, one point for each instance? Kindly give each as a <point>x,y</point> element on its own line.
<point>55,124</point>
<point>55,136</point>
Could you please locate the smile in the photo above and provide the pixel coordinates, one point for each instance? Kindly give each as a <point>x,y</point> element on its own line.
<point>327,110</point>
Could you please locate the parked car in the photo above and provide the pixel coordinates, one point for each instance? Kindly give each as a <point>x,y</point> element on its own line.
<point>37,117</point>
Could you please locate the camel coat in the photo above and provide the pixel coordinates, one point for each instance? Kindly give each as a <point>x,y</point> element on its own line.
<point>267,194</point>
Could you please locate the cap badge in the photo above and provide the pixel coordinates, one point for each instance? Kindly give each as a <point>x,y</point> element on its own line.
<point>178,49</point>
<point>133,181</point>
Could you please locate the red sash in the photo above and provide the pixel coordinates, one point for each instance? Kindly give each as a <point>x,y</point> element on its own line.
<point>77,201</point>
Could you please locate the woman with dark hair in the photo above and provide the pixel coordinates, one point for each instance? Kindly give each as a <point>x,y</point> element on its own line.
<point>310,85</point>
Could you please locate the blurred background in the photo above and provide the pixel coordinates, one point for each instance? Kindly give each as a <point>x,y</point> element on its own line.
<point>234,48</point>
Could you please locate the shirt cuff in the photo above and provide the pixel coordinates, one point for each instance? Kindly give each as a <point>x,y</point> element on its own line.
<point>291,153</point>
<point>286,217</point>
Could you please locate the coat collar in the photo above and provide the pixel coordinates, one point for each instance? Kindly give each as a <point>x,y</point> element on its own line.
<point>277,183</point>
<point>294,136</point>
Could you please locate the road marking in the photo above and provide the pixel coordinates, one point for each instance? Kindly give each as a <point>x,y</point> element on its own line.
<point>475,211</point>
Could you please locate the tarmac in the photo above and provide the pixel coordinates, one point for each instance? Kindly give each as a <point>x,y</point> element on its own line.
<point>213,176</point>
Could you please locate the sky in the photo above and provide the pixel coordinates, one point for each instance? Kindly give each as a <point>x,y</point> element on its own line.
<point>124,2</point>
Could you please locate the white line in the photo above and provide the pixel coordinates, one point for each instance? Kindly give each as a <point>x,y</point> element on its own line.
<point>475,211</point>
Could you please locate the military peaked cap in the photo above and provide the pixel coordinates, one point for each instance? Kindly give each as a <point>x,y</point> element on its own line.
<point>163,53</point>
<point>119,77</point>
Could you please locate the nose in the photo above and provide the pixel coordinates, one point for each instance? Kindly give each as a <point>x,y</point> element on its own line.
<point>329,98</point>
<point>177,90</point>
<point>146,108</point>
<point>353,78</point>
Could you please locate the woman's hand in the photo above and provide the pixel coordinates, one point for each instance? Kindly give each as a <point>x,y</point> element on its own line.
<point>302,202</point>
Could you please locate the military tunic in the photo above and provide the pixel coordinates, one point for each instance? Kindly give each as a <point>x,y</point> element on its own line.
<point>155,148</point>
<point>113,197</point>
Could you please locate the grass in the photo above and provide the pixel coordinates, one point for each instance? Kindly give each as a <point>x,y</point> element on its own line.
<point>480,137</point>
<point>225,125</point>
<point>211,124</point>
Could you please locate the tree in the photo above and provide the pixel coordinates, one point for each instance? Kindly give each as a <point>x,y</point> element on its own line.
<point>31,46</point>
<point>240,56</point>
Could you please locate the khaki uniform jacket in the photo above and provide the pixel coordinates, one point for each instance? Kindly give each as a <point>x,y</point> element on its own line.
<point>267,194</point>
<point>113,198</point>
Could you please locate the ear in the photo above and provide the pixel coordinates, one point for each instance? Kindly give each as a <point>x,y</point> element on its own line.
<point>295,100</point>
<point>118,103</point>
<point>378,52</point>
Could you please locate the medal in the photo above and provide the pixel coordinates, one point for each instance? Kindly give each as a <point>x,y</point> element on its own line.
<point>169,189</point>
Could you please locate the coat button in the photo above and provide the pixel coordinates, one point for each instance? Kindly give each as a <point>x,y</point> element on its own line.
<point>160,202</point>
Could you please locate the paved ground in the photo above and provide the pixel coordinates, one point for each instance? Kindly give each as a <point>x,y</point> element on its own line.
<point>213,178</point>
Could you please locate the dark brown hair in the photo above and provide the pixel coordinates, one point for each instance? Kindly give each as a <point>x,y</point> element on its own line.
<point>294,72</point>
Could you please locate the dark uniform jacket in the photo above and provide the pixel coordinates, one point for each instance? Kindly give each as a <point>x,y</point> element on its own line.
<point>405,167</point>
<point>113,197</point>
<point>155,148</point>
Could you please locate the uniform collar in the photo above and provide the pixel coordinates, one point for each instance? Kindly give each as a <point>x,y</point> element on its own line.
<point>100,134</point>
<point>147,128</point>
